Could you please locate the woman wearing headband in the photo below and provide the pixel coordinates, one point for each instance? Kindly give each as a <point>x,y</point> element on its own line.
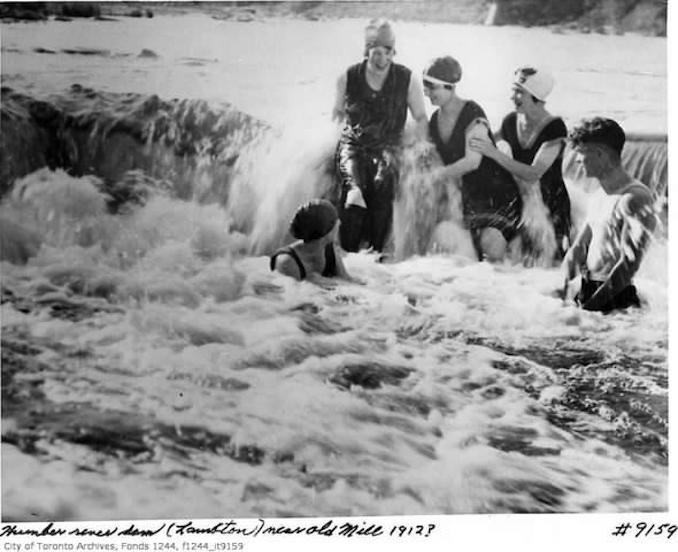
<point>491,200</point>
<point>537,141</point>
<point>316,227</point>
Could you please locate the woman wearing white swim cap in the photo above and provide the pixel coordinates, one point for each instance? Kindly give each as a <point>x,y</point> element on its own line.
<point>537,140</point>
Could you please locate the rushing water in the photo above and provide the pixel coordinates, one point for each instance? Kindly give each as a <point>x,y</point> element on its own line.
<point>154,367</point>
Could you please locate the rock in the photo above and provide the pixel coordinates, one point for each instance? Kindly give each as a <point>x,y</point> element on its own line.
<point>609,17</point>
<point>28,139</point>
<point>24,11</point>
<point>369,375</point>
<point>146,53</point>
<point>87,52</point>
<point>81,9</point>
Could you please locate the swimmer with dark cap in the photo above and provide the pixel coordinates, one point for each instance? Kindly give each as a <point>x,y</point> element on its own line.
<point>316,227</point>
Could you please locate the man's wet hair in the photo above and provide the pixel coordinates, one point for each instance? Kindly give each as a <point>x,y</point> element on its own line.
<point>599,130</point>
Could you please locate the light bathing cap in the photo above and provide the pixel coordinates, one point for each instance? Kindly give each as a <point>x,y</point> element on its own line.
<point>379,33</point>
<point>537,82</point>
<point>313,220</point>
<point>443,70</point>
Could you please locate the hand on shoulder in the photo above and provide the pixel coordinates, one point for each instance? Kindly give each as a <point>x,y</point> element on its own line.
<point>482,144</point>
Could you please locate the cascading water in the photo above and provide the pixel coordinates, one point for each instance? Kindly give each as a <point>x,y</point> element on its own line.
<point>645,157</point>
<point>208,153</point>
<point>184,142</point>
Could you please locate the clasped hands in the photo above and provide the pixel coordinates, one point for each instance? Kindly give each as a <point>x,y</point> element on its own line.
<point>482,146</point>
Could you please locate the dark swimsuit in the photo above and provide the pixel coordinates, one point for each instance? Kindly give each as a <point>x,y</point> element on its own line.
<point>627,297</point>
<point>330,261</point>
<point>367,154</point>
<point>490,195</point>
<point>552,187</point>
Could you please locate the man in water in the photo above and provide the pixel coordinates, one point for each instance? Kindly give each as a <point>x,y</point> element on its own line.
<point>617,231</point>
<point>373,98</point>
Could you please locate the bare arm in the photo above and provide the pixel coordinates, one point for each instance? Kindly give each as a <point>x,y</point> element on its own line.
<point>576,255</point>
<point>341,269</point>
<point>339,111</point>
<point>545,157</point>
<point>286,265</point>
<point>415,101</point>
<point>476,130</point>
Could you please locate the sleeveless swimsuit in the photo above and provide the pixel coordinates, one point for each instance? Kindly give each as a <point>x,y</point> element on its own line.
<point>551,183</point>
<point>330,261</point>
<point>490,195</point>
<point>368,152</point>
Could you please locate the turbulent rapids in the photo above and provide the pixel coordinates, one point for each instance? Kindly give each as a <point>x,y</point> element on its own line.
<point>142,341</point>
<point>153,367</point>
<point>192,150</point>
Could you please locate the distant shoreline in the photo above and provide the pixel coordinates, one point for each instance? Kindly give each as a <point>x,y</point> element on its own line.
<point>647,17</point>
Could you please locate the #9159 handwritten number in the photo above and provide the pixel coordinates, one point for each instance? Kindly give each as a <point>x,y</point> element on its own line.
<point>647,529</point>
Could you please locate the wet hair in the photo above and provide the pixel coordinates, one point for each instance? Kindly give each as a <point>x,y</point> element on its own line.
<point>313,220</point>
<point>599,130</point>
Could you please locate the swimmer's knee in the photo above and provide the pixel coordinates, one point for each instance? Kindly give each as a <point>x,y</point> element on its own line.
<point>493,245</point>
<point>354,197</point>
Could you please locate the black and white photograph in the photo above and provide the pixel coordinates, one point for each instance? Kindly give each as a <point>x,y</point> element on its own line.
<point>334,258</point>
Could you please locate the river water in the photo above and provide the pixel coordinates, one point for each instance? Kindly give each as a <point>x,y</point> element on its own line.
<point>154,368</point>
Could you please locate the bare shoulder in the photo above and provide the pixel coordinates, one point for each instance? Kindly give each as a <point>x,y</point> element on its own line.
<point>637,197</point>
<point>285,264</point>
<point>638,201</point>
<point>478,128</point>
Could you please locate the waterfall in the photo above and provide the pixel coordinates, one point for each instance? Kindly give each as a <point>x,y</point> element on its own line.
<point>645,157</point>
<point>189,146</point>
<point>137,146</point>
